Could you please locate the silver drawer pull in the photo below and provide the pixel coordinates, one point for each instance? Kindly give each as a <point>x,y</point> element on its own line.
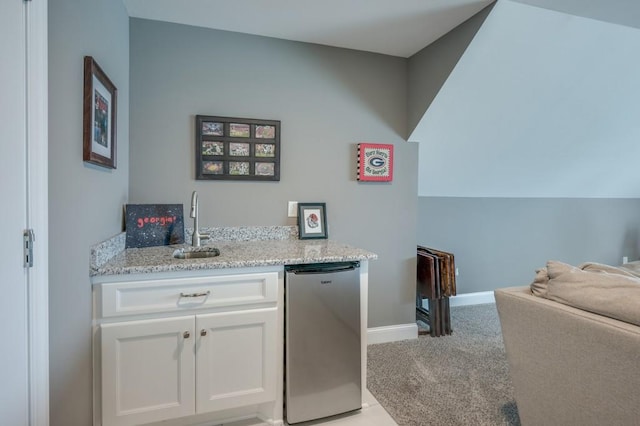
<point>204,293</point>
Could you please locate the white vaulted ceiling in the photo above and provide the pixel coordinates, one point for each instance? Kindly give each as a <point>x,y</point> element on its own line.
<point>392,27</point>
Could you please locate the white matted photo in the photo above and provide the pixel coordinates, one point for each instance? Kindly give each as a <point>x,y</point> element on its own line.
<point>312,221</point>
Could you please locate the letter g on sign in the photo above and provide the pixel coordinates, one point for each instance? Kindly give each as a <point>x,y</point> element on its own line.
<point>377,162</point>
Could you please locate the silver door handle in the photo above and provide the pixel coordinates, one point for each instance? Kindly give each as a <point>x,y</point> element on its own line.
<point>204,293</point>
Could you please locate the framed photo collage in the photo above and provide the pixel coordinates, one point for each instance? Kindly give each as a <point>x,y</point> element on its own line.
<point>237,149</point>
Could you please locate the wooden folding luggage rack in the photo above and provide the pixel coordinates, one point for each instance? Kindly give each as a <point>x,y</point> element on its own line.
<point>436,282</point>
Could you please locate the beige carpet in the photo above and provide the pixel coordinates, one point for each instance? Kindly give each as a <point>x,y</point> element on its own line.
<point>460,379</point>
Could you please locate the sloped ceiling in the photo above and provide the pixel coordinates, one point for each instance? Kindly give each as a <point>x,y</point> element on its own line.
<point>397,28</point>
<point>389,27</point>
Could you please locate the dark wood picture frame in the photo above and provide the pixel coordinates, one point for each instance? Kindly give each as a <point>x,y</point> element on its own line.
<point>228,148</point>
<point>99,116</point>
<point>312,221</point>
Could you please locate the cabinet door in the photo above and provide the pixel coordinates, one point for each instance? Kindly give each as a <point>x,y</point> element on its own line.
<point>148,370</point>
<point>236,359</point>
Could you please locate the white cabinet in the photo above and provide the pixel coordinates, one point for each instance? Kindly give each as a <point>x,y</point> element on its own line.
<point>148,370</point>
<point>234,355</point>
<point>172,348</point>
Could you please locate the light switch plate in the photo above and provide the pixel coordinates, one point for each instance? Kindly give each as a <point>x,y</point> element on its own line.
<point>293,209</point>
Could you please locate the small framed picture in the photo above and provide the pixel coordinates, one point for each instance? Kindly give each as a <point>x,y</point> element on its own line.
<point>265,150</point>
<point>99,116</point>
<point>238,130</point>
<point>212,148</point>
<point>213,167</point>
<point>265,169</point>
<point>265,132</point>
<point>237,149</point>
<point>239,168</point>
<point>312,221</point>
<point>210,128</point>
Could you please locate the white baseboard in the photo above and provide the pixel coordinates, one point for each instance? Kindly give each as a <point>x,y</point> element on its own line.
<point>472,299</point>
<point>392,333</point>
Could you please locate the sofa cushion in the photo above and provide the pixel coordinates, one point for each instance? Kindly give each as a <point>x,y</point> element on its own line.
<point>594,287</point>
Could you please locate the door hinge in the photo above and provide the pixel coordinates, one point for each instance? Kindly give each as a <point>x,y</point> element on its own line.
<point>29,238</point>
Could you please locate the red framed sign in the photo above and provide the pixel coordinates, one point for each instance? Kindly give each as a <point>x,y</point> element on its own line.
<point>375,162</point>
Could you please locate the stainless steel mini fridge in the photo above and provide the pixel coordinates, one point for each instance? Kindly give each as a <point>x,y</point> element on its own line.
<point>322,342</point>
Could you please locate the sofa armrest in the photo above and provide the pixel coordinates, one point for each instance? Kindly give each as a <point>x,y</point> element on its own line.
<point>568,366</point>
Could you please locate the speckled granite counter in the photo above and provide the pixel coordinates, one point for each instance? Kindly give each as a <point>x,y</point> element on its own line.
<point>239,248</point>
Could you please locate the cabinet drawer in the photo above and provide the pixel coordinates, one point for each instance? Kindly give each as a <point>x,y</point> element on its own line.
<point>172,295</point>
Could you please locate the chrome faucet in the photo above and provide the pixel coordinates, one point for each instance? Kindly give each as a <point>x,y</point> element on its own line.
<point>197,237</point>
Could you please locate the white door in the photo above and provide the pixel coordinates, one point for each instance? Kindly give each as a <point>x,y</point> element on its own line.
<point>148,370</point>
<point>24,373</point>
<point>14,409</point>
<point>236,359</point>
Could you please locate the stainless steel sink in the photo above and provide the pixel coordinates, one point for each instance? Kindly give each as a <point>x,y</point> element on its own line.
<point>196,252</point>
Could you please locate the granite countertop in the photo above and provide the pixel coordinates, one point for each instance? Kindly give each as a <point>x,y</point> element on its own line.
<point>239,248</point>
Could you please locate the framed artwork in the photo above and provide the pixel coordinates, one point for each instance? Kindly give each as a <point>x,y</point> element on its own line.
<point>312,221</point>
<point>237,148</point>
<point>99,113</point>
<point>375,162</point>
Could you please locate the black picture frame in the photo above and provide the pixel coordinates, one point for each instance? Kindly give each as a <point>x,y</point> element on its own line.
<point>231,148</point>
<point>312,221</point>
<point>99,116</point>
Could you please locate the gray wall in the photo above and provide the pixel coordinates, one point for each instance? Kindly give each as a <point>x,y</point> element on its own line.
<point>541,104</point>
<point>500,242</point>
<point>429,68</point>
<point>527,151</point>
<point>328,100</point>
<point>85,202</point>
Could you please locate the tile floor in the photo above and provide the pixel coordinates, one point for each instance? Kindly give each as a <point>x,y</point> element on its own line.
<point>372,415</point>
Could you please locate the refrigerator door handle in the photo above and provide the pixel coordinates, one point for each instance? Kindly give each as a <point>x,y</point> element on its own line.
<point>322,269</point>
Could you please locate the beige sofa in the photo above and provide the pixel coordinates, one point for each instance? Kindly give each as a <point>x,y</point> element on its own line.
<point>569,366</point>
